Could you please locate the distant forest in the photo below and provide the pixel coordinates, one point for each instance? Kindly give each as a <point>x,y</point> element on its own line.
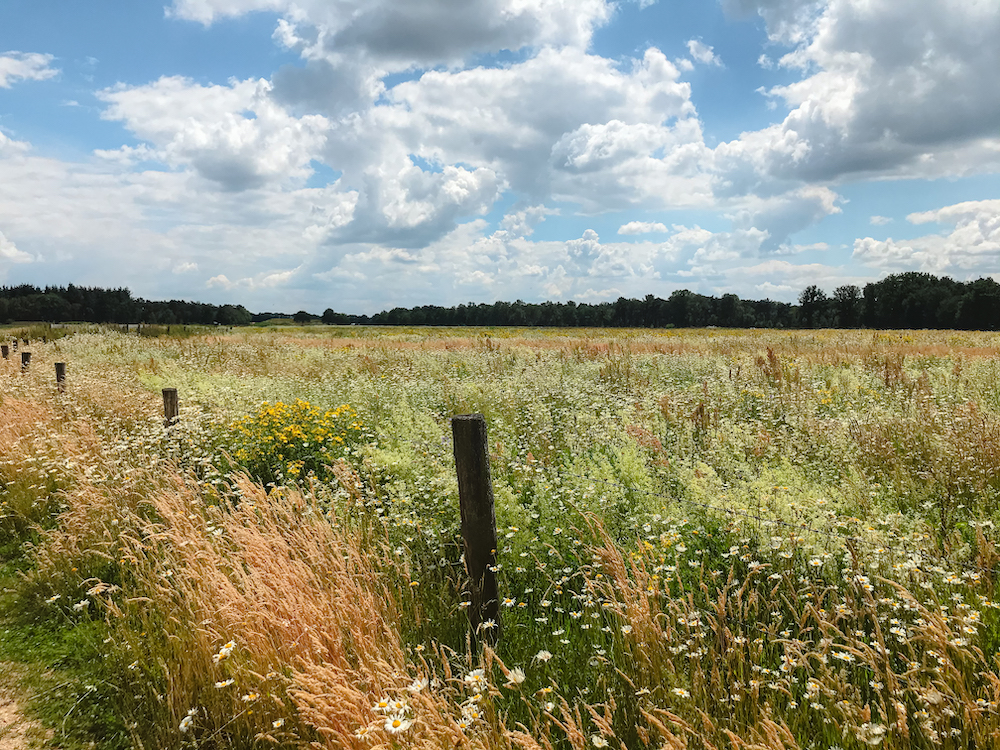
<point>906,300</point>
<point>56,304</point>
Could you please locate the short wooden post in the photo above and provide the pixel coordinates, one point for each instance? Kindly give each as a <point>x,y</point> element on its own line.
<point>479,525</point>
<point>170,406</point>
<point>61,376</point>
<point>5,351</point>
<point>25,360</point>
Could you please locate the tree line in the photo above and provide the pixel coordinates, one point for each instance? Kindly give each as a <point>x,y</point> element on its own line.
<point>905,300</point>
<point>682,309</point>
<point>55,304</point>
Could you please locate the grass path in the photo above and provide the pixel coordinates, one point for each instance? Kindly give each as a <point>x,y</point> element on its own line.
<point>17,732</point>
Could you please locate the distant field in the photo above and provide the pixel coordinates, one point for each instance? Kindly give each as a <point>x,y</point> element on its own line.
<point>708,538</point>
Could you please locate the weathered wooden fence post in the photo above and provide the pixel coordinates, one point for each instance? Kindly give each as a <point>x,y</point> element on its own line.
<point>61,376</point>
<point>5,351</point>
<point>479,526</point>
<point>170,406</point>
<point>25,360</point>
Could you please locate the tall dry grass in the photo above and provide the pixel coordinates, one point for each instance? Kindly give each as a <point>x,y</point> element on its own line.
<point>311,604</point>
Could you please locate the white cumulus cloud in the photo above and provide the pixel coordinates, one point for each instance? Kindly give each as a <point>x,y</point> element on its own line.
<point>10,253</point>
<point>207,128</point>
<point>398,35</point>
<point>701,52</point>
<point>25,66</point>
<point>563,124</point>
<point>887,89</point>
<point>642,227</point>
<point>972,246</point>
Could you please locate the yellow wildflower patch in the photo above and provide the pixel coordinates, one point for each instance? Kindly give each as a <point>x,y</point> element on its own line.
<point>286,442</point>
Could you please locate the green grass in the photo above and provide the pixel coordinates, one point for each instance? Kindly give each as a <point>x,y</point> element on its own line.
<point>57,666</point>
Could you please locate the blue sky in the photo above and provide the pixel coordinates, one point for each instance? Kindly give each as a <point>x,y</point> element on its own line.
<point>364,154</point>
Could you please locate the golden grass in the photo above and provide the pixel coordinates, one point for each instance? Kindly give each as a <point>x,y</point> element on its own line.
<point>304,596</point>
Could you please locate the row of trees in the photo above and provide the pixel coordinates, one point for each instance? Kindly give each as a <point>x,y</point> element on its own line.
<point>906,300</point>
<point>681,309</point>
<point>95,305</point>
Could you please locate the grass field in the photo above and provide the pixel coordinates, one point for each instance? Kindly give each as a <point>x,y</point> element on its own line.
<point>708,539</point>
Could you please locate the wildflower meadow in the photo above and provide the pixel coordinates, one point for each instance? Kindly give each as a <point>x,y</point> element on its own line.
<point>706,539</point>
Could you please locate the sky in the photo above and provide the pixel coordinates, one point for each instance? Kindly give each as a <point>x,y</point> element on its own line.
<point>366,154</point>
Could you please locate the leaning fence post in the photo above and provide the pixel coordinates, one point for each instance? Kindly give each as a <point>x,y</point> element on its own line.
<point>479,526</point>
<point>170,406</point>
<point>61,376</point>
<point>25,360</point>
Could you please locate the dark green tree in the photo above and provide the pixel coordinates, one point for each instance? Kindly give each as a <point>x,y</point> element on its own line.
<point>812,304</point>
<point>848,306</point>
<point>332,318</point>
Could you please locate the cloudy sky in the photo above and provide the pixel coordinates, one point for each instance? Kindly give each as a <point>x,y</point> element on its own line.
<point>364,154</point>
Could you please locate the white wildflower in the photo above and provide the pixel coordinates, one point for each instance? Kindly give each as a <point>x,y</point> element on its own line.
<point>397,724</point>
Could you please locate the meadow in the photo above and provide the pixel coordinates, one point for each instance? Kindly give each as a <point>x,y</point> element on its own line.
<point>708,539</point>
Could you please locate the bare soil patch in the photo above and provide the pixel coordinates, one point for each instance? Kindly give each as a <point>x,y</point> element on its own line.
<point>17,732</point>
